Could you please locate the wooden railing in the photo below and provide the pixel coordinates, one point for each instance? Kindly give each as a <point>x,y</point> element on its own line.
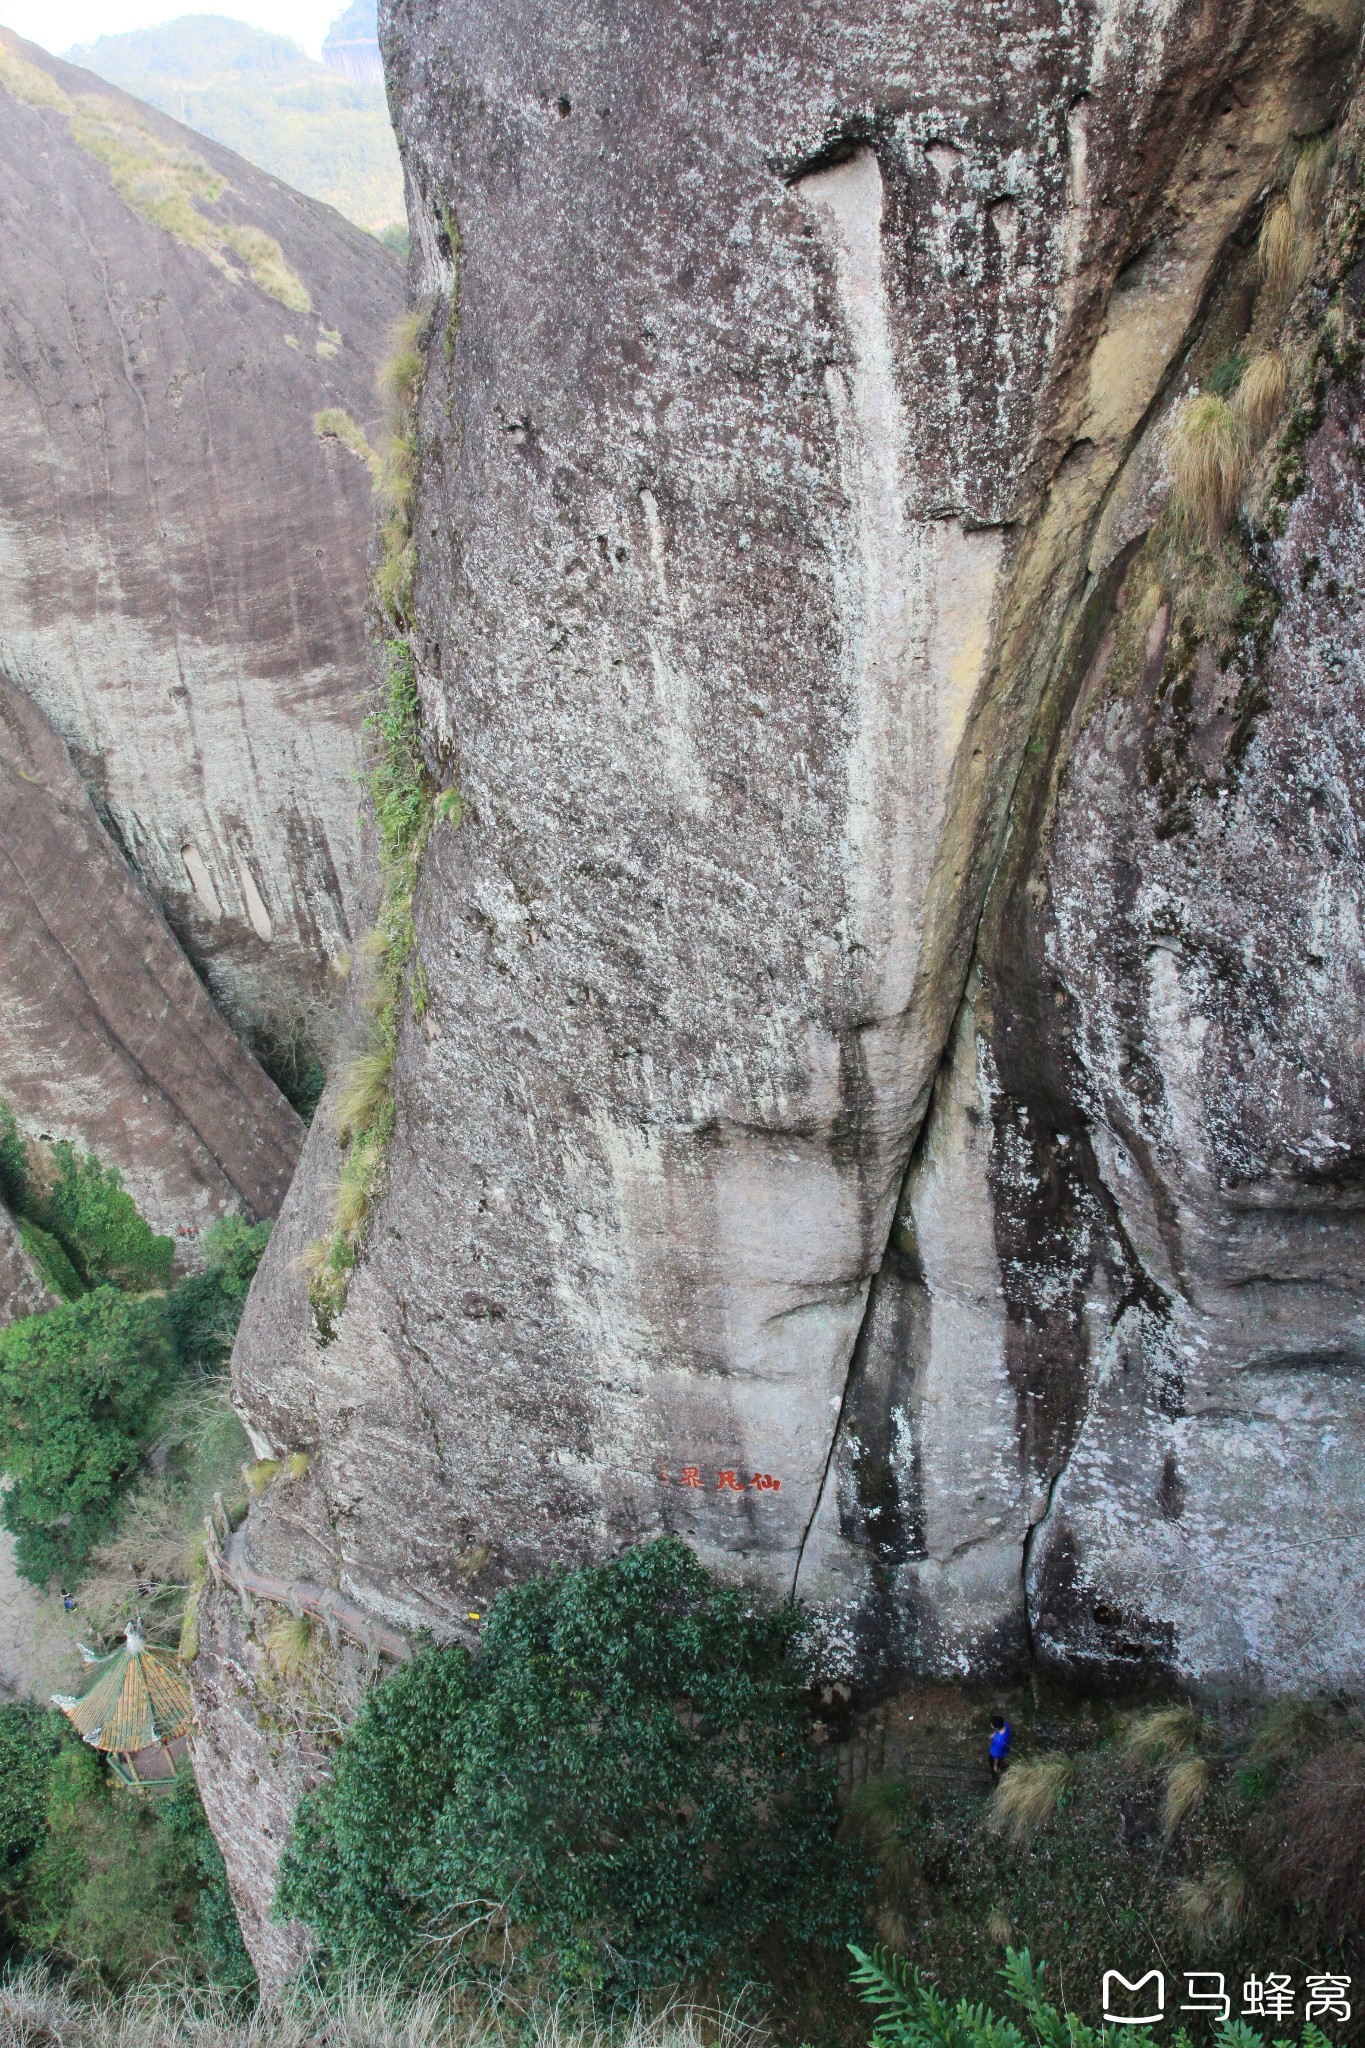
<point>340,1617</point>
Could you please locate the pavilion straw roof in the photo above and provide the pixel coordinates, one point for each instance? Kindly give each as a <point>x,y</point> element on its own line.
<point>139,1697</point>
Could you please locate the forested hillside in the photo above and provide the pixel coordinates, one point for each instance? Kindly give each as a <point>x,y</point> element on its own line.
<point>317,129</point>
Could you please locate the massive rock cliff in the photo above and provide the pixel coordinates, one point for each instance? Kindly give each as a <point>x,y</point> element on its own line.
<point>182,552</point>
<point>110,1038</point>
<point>880,1092</point>
<point>188,360</point>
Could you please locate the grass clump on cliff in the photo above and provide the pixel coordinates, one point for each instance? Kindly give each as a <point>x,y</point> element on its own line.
<point>334,423</point>
<point>619,1790</point>
<point>406,804</point>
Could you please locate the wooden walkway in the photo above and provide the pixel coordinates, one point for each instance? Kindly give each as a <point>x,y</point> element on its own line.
<point>340,1617</point>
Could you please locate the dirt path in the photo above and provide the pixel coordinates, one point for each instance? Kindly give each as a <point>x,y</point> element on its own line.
<point>38,1654</point>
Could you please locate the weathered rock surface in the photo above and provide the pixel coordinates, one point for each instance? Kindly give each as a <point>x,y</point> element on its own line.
<point>182,556</point>
<point>107,1035</point>
<point>866,1116</point>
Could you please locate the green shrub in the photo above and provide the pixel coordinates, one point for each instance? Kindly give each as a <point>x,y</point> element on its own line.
<point>78,1389</point>
<point>13,1161</point>
<point>99,1876</point>
<point>620,1785</point>
<point>51,1260</point>
<point>217,1943</point>
<point>95,1218</point>
<point>912,2014</point>
<point>30,1738</point>
<point>204,1309</point>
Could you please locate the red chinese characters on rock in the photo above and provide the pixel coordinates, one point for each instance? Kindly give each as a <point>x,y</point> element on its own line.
<point>729,1479</point>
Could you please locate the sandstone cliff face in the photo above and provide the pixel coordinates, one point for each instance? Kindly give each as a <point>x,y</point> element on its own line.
<point>107,1035</point>
<point>883,1105</point>
<point>182,555</point>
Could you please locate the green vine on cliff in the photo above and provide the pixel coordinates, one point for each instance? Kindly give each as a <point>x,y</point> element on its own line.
<point>406,804</point>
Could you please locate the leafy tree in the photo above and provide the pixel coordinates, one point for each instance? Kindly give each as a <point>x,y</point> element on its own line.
<point>621,1783</point>
<point>205,1308</point>
<point>78,1388</point>
<point>30,1738</point>
<point>95,1218</point>
<point>217,1945</point>
<point>912,2014</point>
<point>103,1877</point>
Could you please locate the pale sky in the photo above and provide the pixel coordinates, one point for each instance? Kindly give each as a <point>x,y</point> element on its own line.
<point>57,24</point>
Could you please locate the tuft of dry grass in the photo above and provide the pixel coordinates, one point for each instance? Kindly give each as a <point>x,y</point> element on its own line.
<point>1185,1788</point>
<point>1289,1727</point>
<point>1316,1839</point>
<point>334,423</point>
<point>1260,394</point>
<point>1214,1904</point>
<point>1279,252</point>
<point>37,2010</point>
<point>1029,1794</point>
<point>362,1090</point>
<point>400,372</point>
<point>143,1568</point>
<point>1308,185</point>
<point>291,1640</point>
<point>1208,465</point>
<point>1164,1732</point>
<point>268,267</point>
<point>257,1477</point>
<point>1289,230</point>
<point>1000,1928</point>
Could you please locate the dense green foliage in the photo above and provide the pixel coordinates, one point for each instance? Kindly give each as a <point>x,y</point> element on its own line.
<point>103,1877</point>
<point>619,1790</point>
<point>913,2014</point>
<point>262,96</point>
<point>50,1257</point>
<point>94,1218</point>
<point>203,1311</point>
<point>30,1738</point>
<point>13,1161</point>
<point>78,1389</point>
<point>217,1944</point>
<point>82,1384</point>
<point>79,1224</point>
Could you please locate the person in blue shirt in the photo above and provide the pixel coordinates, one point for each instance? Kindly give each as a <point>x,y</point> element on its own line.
<point>1000,1745</point>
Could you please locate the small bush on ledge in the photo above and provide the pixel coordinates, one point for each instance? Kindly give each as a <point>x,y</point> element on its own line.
<point>618,1791</point>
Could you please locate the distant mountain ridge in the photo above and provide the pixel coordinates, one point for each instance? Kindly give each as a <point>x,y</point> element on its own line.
<point>322,128</point>
<point>352,44</point>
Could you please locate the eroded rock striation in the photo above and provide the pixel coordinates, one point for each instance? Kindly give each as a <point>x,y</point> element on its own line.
<point>882,1097</point>
<point>108,1038</point>
<point>182,551</point>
